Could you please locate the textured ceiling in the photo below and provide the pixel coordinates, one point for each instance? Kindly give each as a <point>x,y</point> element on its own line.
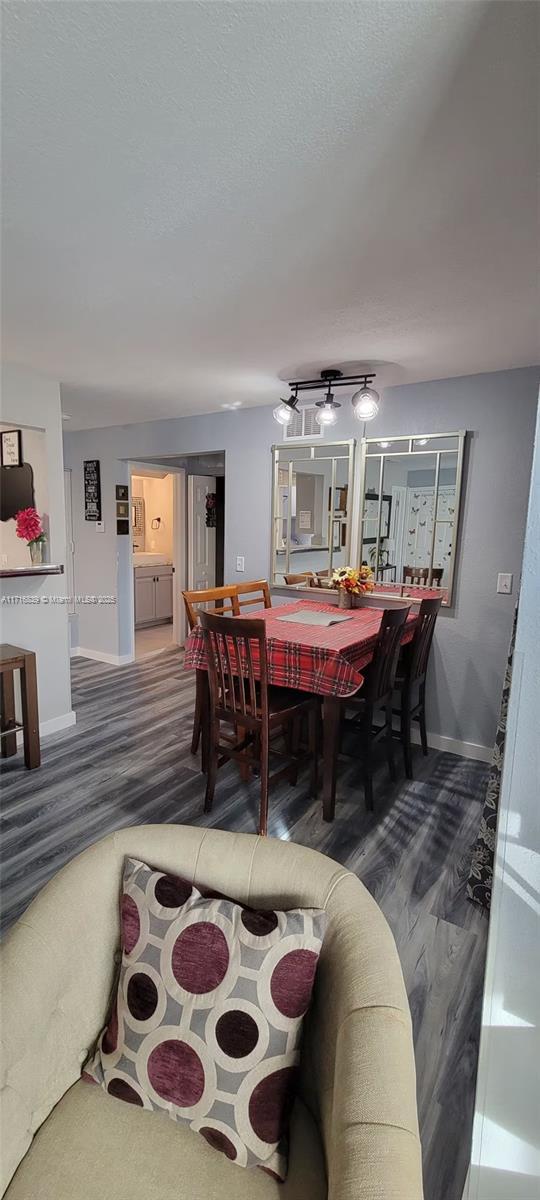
<point>199,198</point>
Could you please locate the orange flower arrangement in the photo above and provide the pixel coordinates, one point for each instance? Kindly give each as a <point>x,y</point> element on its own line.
<point>357,582</point>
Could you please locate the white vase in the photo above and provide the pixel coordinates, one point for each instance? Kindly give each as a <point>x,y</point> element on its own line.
<point>36,552</point>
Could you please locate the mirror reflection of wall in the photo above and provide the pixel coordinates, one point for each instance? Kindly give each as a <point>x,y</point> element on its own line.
<point>312,487</point>
<point>410,510</point>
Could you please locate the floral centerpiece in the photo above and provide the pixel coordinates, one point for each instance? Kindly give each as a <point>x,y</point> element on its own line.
<point>30,528</point>
<point>351,582</point>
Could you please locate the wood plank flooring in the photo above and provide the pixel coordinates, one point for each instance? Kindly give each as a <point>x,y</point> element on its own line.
<point>127,761</point>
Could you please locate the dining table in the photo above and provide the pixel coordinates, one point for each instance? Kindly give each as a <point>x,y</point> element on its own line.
<point>325,660</point>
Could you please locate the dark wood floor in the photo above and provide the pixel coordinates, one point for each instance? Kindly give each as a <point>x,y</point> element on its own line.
<point>127,761</point>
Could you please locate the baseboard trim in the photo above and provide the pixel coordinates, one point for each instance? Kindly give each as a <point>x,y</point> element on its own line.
<point>437,741</point>
<point>53,725</point>
<point>114,660</point>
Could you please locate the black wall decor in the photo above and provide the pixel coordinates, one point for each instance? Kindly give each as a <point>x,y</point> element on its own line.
<point>122,491</point>
<point>16,490</point>
<point>92,490</point>
<point>211,510</point>
<point>122,526</point>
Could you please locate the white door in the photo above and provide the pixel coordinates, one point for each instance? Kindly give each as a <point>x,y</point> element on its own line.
<point>201,537</point>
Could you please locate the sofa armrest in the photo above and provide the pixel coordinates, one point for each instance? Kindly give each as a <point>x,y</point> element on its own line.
<point>57,973</point>
<point>360,1058</point>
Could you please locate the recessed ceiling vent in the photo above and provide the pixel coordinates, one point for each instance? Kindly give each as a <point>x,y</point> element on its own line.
<point>303,425</point>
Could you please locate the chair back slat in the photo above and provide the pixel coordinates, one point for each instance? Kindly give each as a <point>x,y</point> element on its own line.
<point>304,577</point>
<point>257,591</point>
<point>222,599</point>
<point>420,647</point>
<point>251,672</point>
<point>236,654</point>
<point>415,574</point>
<point>435,576</point>
<point>382,669</point>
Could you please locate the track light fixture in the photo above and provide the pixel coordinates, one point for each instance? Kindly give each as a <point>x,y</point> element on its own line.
<point>365,401</point>
<point>283,414</point>
<point>328,408</point>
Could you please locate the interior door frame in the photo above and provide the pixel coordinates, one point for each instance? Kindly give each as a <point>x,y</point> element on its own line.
<point>179,555</point>
<point>70,543</point>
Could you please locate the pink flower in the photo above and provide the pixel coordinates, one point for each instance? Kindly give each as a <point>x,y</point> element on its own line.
<point>29,526</point>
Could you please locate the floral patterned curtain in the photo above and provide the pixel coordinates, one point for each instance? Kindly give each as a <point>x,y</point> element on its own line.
<point>481,874</point>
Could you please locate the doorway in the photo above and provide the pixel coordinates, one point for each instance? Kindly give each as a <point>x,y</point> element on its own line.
<point>154,543</point>
<point>159,574</point>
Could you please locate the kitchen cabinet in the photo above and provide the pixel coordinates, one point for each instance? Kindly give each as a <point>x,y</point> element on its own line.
<point>153,594</point>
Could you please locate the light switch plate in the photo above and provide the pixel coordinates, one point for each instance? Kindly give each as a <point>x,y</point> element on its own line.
<point>504,584</point>
<point>100,526</point>
<point>240,562</point>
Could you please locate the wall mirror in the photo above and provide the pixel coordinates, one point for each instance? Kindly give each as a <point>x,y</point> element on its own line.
<point>312,498</point>
<point>410,489</point>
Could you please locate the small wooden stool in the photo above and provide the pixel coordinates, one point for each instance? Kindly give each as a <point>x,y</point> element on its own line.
<point>14,658</point>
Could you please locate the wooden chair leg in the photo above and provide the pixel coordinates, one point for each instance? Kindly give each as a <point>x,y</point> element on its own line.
<point>211,766</point>
<point>7,702</point>
<point>366,745</point>
<point>332,706</point>
<point>265,771</point>
<point>204,700</point>
<point>313,720</point>
<point>32,753</point>
<point>292,741</point>
<point>197,719</point>
<point>390,742</point>
<point>405,734</point>
<point>422,719</point>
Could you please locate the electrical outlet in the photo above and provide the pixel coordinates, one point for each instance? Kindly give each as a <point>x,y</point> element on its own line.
<point>504,584</point>
<point>240,562</point>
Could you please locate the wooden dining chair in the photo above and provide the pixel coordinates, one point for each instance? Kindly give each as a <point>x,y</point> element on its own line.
<point>435,576</point>
<point>257,592</point>
<point>376,694</point>
<point>223,600</point>
<point>241,697</point>
<point>415,575</point>
<point>410,684</point>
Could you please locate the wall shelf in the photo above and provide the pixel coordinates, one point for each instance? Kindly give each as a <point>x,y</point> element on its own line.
<point>40,569</point>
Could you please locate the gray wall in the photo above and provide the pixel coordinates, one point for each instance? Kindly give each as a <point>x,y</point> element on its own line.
<point>29,399</point>
<point>472,638</point>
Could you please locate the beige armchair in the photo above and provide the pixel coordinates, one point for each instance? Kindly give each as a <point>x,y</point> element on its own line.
<point>354,1133</point>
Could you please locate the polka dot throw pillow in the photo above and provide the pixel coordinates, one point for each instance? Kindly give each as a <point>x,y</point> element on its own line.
<point>208,1016</point>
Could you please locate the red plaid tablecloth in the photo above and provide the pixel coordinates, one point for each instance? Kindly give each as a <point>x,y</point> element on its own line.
<point>327,660</point>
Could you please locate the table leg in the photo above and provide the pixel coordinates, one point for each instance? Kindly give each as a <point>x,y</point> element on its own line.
<point>7,701</point>
<point>331,726</point>
<point>32,755</point>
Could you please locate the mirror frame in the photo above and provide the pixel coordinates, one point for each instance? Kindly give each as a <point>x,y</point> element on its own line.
<point>287,448</point>
<point>387,452</point>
